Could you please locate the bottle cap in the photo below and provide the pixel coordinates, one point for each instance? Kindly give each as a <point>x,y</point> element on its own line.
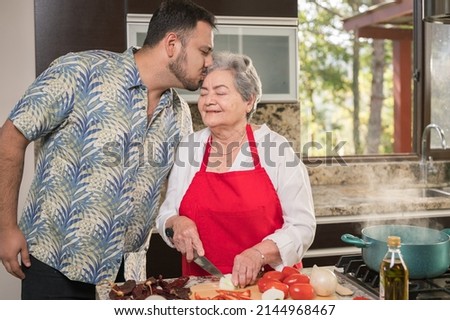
<point>393,241</point>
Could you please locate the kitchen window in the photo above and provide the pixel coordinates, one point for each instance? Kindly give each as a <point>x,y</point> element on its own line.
<point>355,80</point>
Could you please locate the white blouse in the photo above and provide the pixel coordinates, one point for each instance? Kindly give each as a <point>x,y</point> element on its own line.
<point>287,173</point>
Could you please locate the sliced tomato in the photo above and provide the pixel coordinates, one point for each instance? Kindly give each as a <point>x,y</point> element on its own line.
<point>296,278</point>
<point>301,291</point>
<point>274,275</point>
<point>278,285</point>
<point>360,298</point>
<point>287,271</point>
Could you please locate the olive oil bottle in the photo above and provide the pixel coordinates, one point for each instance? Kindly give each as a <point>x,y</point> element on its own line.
<point>394,274</point>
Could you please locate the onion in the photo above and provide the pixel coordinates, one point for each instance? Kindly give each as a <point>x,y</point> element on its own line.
<point>323,281</point>
<point>225,282</point>
<point>272,294</point>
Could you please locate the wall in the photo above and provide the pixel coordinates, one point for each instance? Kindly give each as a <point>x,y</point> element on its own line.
<point>17,72</point>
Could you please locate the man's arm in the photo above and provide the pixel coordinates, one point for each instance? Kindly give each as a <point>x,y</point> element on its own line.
<point>12,242</point>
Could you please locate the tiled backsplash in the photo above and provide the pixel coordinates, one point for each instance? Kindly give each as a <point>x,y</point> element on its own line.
<point>281,118</point>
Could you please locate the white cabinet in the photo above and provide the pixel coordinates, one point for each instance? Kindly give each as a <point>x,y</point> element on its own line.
<point>272,44</point>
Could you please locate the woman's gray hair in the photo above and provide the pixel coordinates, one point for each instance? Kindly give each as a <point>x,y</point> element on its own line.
<point>246,78</point>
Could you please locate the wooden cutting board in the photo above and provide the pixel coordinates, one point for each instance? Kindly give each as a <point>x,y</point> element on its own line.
<point>209,290</point>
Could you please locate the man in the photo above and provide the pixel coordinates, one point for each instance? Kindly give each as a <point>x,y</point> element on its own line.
<point>108,124</point>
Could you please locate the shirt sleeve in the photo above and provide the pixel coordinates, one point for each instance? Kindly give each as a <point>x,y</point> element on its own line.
<point>48,101</point>
<point>291,180</point>
<point>187,163</point>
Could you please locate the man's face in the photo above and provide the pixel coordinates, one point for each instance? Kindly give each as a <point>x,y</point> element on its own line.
<point>190,65</point>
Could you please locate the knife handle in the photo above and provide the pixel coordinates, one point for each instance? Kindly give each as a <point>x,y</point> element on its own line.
<point>169,233</point>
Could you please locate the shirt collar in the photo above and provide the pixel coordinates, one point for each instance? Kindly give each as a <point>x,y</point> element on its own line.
<point>128,60</point>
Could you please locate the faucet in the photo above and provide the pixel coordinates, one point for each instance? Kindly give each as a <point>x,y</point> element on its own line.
<point>423,160</point>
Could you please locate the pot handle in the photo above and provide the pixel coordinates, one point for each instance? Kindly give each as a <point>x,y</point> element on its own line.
<point>353,240</point>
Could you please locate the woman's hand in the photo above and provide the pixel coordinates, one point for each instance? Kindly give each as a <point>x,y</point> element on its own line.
<point>185,237</point>
<point>246,268</point>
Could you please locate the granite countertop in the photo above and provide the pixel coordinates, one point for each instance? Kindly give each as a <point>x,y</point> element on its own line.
<point>381,187</point>
<point>340,200</point>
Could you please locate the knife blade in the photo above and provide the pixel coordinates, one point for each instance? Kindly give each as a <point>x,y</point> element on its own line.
<point>203,262</point>
<point>207,265</point>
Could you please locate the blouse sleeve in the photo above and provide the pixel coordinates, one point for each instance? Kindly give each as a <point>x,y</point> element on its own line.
<point>291,181</point>
<point>185,166</point>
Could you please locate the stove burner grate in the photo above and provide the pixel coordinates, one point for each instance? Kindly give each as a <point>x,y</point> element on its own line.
<point>353,269</point>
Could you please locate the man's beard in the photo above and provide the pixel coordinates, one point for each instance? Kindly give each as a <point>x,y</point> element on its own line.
<point>180,73</point>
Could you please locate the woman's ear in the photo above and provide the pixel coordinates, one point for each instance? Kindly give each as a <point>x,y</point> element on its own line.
<point>250,104</point>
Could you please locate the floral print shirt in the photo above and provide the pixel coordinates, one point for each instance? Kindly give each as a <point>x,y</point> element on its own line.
<point>100,165</point>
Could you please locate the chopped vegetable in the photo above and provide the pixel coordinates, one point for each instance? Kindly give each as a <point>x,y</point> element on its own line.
<point>225,282</point>
<point>272,294</point>
<point>226,295</point>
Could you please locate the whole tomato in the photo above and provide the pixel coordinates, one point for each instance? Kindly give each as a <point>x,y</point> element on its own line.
<point>301,291</point>
<point>296,278</point>
<point>262,284</point>
<point>287,271</point>
<point>274,275</point>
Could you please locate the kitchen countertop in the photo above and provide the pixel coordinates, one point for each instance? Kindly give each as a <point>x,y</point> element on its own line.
<point>348,200</point>
<point>375,188</point>
<point>103,289</point>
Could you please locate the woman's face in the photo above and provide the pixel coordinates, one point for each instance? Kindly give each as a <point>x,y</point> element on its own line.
<point>220,104</point>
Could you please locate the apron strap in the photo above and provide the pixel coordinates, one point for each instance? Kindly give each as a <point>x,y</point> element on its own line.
<point>253,150</point>
<point>251,142</point>
<point>206,155</point>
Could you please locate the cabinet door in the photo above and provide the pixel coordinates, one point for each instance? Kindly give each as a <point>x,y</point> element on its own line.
<point>272,46</point>
<point>273,52</point>
<point>63,26</point>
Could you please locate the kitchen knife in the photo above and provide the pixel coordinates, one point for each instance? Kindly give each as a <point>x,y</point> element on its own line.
<point>203,262</point>
<point>207,265</point>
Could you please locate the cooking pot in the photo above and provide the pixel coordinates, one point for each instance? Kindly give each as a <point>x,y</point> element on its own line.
<point>426,251</point>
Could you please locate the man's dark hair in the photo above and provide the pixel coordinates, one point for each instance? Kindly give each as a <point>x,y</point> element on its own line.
<point>180,16</point>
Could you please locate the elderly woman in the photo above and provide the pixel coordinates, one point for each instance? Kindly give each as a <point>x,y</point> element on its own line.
<point>237,193</point>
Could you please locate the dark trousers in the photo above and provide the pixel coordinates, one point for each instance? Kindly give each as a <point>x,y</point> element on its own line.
<point>42,282</point>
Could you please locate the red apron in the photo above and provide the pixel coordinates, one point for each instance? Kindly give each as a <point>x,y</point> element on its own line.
<point>233,210</point>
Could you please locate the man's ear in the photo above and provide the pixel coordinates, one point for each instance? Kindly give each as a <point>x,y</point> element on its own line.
<point>171,43</point>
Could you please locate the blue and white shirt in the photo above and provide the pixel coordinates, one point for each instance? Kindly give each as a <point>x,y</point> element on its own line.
<point>100,166</point>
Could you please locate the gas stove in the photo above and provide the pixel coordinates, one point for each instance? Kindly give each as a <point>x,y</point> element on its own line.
<point>352,269</point>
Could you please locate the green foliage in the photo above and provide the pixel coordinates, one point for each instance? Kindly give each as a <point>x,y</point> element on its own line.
<point>325,80</point>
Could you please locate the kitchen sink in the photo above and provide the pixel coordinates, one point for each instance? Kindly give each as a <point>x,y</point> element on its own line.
<point>433,192</point>
<point>443,190</point>
<point>424,192</point>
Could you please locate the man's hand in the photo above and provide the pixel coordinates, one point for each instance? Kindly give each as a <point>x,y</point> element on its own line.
<point>13,244</point>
